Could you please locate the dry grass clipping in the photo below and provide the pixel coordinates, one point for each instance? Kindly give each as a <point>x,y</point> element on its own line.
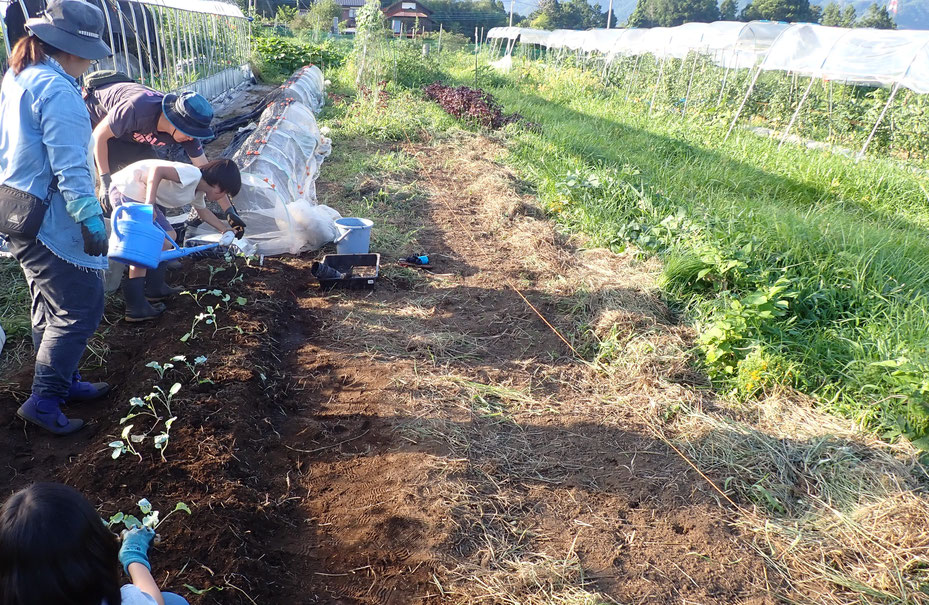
<point>843,518</point>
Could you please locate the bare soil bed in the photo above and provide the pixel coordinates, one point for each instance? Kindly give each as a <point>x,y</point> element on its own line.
<point>432,440</point>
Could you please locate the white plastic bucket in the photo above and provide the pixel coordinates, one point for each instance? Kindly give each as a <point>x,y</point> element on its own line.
<point>354,235</point>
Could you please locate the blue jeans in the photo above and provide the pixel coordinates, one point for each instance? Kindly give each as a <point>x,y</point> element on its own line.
<point>174,599</point>
<point>67,306</point>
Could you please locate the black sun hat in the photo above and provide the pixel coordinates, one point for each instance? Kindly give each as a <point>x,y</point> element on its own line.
<point>73,26</point>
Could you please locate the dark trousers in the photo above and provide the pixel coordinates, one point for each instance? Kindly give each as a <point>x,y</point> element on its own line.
<point>67,306</point>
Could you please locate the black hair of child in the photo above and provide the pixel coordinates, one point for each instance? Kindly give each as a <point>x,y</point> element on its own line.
<point>224,173</point>
<point>55,549</point>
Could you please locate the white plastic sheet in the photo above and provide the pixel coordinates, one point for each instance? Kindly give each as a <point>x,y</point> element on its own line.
<point>858,56</point>
<point>280,163</point>
<point>506,33</point>
<point>803,49</point>
<point>534,36</point>
<point>880,57</point>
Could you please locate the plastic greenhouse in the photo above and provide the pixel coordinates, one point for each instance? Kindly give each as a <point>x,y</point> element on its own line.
<point>863,57</point>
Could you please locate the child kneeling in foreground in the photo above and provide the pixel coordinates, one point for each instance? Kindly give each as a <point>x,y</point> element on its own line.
<point>171,185</point>
<point>56,550</point>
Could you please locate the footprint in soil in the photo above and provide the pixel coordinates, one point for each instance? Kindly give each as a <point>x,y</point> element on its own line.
<point>405,529</point>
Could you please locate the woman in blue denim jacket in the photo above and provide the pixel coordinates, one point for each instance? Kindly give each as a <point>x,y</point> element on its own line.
<point>44,137</point>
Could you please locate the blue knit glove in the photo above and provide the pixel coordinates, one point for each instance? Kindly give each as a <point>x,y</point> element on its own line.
<point>94,233</point>
<point>135,547</point>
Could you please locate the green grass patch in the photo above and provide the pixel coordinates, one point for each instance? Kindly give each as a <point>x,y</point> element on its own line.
<point>790,254</point>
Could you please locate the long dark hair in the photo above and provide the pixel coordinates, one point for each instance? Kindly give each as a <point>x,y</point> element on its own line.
<point>29,50</point>
<point>54,549</point>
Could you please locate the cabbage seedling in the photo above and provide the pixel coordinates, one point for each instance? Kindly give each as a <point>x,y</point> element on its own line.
<point>149,519</point>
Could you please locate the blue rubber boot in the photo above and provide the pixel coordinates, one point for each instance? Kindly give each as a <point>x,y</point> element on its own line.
<point>46,413</point>
<point>85,391</point>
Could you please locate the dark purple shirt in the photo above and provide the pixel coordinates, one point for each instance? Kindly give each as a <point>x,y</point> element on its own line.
<point>133,112</point>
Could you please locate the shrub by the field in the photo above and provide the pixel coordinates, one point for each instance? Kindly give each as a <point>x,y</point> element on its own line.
<point>276,57</point>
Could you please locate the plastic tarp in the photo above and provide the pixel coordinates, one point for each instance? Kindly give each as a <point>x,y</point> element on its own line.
<point>600,40</point>
<point>630,42</point>
<point>280,162</point>
<point>859,56</point>
<point>803,49</point>
<point>684,39</point>
<point>507,33</point>
<point>868,57</point>
<point>534,36</point>
<point>751,45</point>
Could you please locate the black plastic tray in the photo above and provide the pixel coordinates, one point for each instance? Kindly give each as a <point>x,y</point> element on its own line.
<point>361,270</point>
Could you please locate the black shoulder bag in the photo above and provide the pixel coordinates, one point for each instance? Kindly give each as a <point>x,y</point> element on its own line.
<point>21,213</point>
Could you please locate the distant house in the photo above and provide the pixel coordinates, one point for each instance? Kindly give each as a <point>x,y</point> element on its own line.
<point>408,17</point>
<point>349,11</point>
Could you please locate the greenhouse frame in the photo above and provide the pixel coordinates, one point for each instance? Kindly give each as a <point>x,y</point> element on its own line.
<point>169,45</point>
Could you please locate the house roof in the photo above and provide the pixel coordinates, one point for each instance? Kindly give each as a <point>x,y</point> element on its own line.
<point>351,3</point>
<point>397,6</point>
<point>409,13</point>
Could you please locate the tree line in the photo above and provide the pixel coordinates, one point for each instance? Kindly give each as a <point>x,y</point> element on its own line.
<point>462,16</point>
<point>669,13</point>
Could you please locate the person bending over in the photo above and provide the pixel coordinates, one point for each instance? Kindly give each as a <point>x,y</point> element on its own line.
<point>131,121</point>
<point>55,548</point>
<point>169,185</point>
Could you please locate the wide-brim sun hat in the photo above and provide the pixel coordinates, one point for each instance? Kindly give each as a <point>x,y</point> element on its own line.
<point>190,113</point>
<point>73,26</point>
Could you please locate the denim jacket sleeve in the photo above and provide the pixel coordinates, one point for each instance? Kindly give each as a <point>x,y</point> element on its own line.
<point>65,133</point>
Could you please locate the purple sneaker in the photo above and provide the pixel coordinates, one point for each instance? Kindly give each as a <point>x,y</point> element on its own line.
<point>46,413</point>
<point>85,391</point>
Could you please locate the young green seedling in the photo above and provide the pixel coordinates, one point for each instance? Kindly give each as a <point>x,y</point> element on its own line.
<point>150,518</point>
<point>193,367</point>
<point>160,369</point>
<point>213,271</point>
<point>147,407</point>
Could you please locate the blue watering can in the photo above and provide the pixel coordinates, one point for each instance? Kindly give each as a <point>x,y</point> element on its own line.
<point>137,240</point>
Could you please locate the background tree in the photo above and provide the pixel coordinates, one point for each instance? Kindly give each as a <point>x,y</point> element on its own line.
<point>849,16</point>
<point>878,18</point>
<point>370,41</point>
<point>580,14</point>
<point>285,14</point>
<point>640,16</point>
<point>462,16</point>
<point>832,15</point>
<point>779,10</point>
<point>728,10</point>
<point>668,13</point>
<point>319,17</point>
<point>547,16</point>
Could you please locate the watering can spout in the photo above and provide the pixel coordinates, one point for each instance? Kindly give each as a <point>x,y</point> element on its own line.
<point>167,255</point>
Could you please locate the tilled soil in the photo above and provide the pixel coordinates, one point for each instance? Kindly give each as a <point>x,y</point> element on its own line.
<point>431,440</point>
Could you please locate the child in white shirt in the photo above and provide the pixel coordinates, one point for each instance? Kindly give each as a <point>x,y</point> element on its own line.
<point>171,185</point>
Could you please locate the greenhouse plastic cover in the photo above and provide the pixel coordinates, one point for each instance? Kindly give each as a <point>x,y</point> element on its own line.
<point>860,55</point>
<point>280,162</point>
<point>210,7</point>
